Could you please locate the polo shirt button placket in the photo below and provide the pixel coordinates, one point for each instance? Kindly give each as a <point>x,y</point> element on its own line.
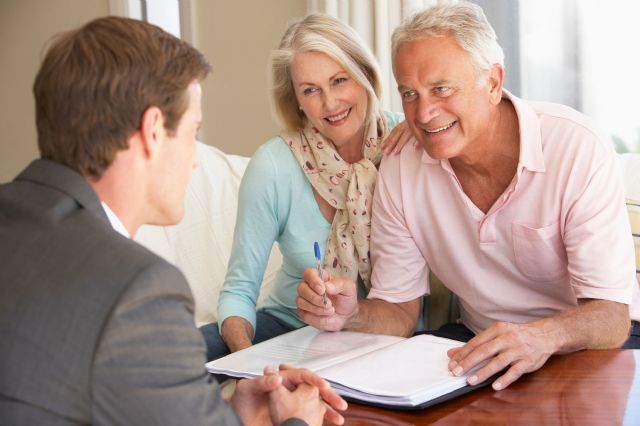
<point>486,230</point>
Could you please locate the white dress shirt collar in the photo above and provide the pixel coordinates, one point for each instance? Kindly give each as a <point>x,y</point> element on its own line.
<point>115,221</point>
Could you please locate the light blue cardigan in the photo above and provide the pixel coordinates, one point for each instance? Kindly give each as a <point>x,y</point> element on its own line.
<point>276,204</point>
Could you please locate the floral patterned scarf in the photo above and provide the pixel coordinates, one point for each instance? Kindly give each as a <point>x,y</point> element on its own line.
<point>348,188</point>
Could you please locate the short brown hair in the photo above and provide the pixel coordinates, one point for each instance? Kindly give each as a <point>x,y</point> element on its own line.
<point>95,83</point>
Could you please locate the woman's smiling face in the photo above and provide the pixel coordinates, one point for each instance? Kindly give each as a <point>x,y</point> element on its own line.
<point>334,102</point>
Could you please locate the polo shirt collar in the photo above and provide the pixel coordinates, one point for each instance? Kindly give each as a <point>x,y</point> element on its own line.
<point>531,156</point>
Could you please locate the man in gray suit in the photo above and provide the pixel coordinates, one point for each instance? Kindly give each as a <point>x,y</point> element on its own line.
<point>95,328</point>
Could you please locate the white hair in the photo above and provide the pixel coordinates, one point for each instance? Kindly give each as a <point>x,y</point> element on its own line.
<point>465,22</point>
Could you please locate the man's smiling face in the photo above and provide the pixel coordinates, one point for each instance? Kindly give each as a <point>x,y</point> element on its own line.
<point>446,103</point>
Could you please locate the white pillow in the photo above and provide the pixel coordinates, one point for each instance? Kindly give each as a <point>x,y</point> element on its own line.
<point>200,244</point>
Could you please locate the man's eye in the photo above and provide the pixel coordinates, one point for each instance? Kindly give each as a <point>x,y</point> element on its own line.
<point>409,94</point>
<point>442,90</point>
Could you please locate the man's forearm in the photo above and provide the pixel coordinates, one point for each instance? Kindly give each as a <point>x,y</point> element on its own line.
<point>593,324</point>
<point>378,316</point>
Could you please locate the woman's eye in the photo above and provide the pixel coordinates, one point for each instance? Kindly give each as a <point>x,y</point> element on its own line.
<point>340,80</point>
<point>309,90</point>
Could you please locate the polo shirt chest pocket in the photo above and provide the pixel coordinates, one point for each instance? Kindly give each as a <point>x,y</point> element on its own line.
<point>539,252</point>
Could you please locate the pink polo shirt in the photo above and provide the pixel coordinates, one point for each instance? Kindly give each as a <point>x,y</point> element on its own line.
<point>559,232</point>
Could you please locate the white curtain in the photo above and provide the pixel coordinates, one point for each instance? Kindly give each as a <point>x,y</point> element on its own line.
<point>374,20</point>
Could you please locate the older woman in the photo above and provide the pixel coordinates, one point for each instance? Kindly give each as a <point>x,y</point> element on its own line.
<point>312,183</point>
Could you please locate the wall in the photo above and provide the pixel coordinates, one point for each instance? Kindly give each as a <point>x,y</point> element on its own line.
<point>25,25</point>
<point>237,40</point>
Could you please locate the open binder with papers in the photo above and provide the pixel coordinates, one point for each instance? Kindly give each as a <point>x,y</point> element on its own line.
<point>380,370</point>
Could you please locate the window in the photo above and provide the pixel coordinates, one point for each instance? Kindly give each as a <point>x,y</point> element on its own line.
<point>163,13</point>
<point>577,52</point>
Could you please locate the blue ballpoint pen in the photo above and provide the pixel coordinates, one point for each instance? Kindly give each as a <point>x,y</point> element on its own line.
<point>316,250</point>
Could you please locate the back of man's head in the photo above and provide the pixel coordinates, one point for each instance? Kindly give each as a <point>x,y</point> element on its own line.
<point>95,83</point>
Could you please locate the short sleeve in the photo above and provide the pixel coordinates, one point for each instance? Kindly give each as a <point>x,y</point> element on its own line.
<point>597,235</point>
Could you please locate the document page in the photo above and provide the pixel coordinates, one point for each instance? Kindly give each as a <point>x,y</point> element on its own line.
<point>407,373</point>
<point>306,347</point>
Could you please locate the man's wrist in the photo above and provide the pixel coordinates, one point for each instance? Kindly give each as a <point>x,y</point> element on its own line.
<point>352,321</point>
<point>554,335</point>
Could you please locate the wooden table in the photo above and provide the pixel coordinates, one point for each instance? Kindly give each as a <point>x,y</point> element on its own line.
<point>583,388</point>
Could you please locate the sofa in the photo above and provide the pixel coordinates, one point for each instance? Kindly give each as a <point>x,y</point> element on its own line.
<point>200,244</point>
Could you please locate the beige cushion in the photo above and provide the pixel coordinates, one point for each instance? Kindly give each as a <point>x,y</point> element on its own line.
<point>631,170</point>
<point>633,206</point>
<point>200,244</point>
<point>440,306</point>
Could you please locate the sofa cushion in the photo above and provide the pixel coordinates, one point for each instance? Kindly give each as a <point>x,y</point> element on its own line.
<point>200,244</point>
<point>631,171</point>
<point>633,206</point>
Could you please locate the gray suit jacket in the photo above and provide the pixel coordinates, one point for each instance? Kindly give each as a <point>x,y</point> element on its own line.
<point>94,328</point>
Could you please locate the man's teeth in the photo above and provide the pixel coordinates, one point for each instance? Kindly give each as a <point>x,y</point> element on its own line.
<point>338,117</point>
<point>440,128</point>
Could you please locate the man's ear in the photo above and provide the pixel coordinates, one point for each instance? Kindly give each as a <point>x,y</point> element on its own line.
<point>496,78</point>
<point>152,130</point>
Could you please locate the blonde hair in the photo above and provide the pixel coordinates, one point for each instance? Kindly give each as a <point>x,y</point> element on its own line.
<point>465,22</point>
<point>325,34</point>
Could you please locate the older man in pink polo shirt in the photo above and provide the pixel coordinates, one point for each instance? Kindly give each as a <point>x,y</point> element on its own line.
<point>517,206</point>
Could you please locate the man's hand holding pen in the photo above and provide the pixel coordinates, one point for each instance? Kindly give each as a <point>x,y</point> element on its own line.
<point>341,300</point>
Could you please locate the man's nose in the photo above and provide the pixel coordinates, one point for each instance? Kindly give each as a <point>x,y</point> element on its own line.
<point>427,110</point>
